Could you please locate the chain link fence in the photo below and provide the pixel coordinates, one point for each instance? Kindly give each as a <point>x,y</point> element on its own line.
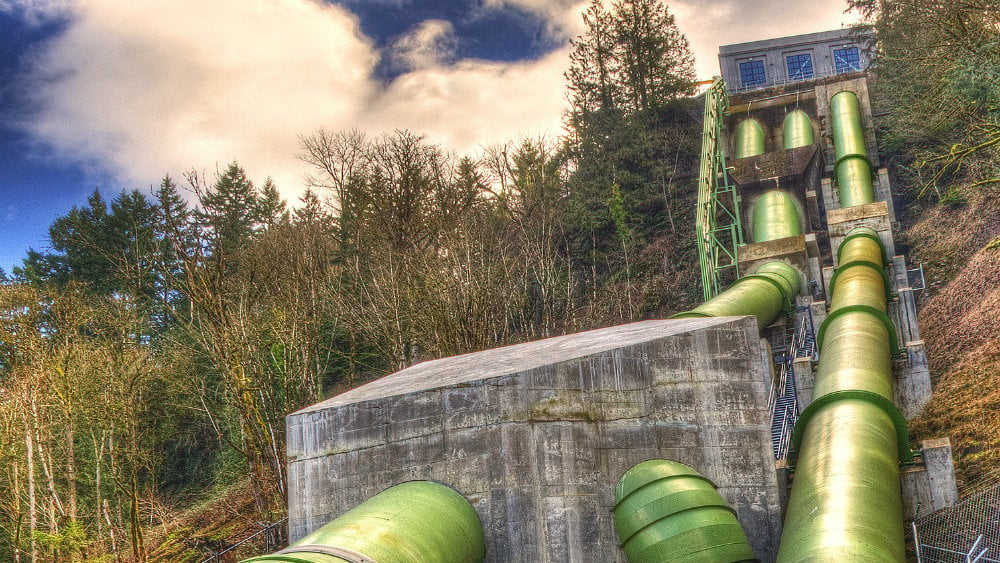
<point>968,532</point>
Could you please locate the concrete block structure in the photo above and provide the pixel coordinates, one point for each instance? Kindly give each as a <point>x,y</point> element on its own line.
<point>770,62</point>
<point>536,435</point>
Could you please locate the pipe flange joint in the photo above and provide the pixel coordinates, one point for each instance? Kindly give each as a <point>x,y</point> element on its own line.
<point>887,406</point>
<point>868,233</point>
<point>787,300</point>
<point>864,157</point>
<point>880,269</point>
<point>878,314</point>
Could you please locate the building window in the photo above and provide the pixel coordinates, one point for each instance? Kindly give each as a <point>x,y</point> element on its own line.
<point>800,67</point>
<point>752,73</point>
<point>847,59</point>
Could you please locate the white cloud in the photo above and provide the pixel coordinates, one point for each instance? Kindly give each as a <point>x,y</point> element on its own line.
<point>710,23</point>
<point>427,45</point>
<point>35,11</point>
<point>146,88</point>
<point>473,103</point>
<point>140,89</point>
<point>563,16</point>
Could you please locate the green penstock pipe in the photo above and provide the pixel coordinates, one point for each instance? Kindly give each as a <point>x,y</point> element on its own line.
<point>666,511</point>
<point>749,139</point>
<point>775,217</point>
<point>798,130</point>
<point>765,294</point>
<point>413,522</point>
<point>845,503</point>
<point>853,168</point>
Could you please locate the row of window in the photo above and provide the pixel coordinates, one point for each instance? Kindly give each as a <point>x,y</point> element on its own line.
<point>800,66</point>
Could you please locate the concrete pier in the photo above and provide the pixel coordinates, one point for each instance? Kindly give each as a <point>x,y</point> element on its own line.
<point>536,435</point>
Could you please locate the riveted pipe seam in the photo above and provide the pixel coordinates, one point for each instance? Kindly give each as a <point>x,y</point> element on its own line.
<point>786,296</point>
<point>887,406</point>
<point>866,263</point>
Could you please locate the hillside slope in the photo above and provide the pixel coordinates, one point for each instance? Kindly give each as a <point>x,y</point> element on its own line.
<point>958,322</point>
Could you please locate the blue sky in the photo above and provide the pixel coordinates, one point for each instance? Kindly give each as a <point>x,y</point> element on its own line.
<point>113,95</point>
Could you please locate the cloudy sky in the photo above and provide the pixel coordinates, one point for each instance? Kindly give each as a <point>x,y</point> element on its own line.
<point>115,94</point>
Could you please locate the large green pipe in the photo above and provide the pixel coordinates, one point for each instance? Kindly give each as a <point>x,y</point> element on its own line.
<point>749,139</point>
<point>413,522</point>
<point>798,130</point>
<point>845,503</point>
<point>853,169</point>
<point>765,294</point>
<point>666,511</point>
<point>775,217</point>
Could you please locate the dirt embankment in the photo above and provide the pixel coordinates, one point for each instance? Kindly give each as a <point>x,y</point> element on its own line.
<point>960,323</point>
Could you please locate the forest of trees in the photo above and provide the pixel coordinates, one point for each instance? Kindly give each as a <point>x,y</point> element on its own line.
<point>148,358</point>
<point>939,80</point>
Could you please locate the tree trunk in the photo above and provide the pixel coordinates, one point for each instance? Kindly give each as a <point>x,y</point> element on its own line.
<point>46,461</point>
<point>99,457</point>
<point>71,470</point>
<point>111,531</point>
<point>32,511</point>
<point>138,548</point>
<point>17,513</point>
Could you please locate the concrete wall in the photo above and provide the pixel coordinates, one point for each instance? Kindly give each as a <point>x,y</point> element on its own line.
<point>537,435</point>
<point>773,53</point>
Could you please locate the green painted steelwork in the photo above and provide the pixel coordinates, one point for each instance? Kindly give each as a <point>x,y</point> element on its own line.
<point>798,130</point>
<point>667,511</point>
<point>765,294</point>
<point>413,522</point>
<point>853,168</point>
<point>749,140</point>
<point>718,222</point>
<point>775,216</point>
<point>846,503</point>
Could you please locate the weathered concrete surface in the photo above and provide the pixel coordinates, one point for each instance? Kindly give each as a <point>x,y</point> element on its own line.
<point>930,486</point>
<point>536,435</point>
<point>791,250</point>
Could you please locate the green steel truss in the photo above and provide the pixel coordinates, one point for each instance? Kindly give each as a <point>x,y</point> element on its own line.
<point>718,222</point>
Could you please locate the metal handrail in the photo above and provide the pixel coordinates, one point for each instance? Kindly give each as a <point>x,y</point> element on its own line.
<point>214,558</point>
<point>787,425</point>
